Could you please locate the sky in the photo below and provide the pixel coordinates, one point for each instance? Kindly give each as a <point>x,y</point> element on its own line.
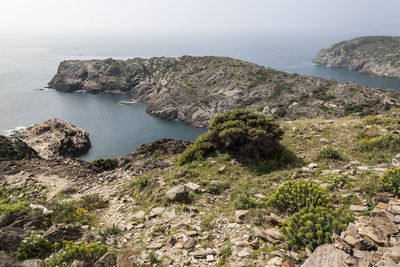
<point>119,16</point>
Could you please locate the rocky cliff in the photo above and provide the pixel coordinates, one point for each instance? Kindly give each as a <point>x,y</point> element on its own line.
<point>378,55</point>
<point>54,138</point>
<point>195,89</point>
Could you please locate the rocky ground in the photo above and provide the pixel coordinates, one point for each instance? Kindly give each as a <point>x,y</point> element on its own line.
<point>377,55</point>
<point>150,212</point>
<point>195,89</point>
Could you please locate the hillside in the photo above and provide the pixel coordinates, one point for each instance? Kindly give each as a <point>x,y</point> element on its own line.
<point>377,55</point>
<point>147,210</point>
<point>195,89</point>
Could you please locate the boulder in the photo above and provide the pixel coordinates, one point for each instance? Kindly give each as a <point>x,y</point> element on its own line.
<point>178,193</point>
<point>124,260</point>
<point>107,260</point>
<point>60,232</point>
<point>33,263</point>
<point>10,238</point>
<point>328,255</point>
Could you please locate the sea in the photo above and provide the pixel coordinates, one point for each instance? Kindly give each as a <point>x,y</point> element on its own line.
<point>29,61</point>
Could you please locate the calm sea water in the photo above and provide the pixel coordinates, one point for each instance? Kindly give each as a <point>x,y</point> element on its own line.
<point>27,64</point>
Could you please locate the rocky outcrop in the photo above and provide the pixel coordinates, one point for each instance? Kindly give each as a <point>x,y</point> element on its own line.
<point>369,241</point>
<point>195,89</point>
<point>54,138</point>
<point>378,55</point>
<point>159,154</point>
<point>15,149</point>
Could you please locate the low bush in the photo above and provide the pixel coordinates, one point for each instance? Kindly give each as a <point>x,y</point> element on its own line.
<point>105,164</point>
<point>238,132</point>
<point>314,226</point>
<point>79,251</point>
<point>33,247</point>
<point>329,153</point>
<point>295,195</point>
<point>389,181</point>
<point>389,142</point>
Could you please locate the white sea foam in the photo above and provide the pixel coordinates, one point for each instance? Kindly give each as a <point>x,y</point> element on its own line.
<point>16,130</point>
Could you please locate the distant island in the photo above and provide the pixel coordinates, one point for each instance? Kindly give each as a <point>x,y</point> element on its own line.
<point>377,55</point>
<point>195,89</point>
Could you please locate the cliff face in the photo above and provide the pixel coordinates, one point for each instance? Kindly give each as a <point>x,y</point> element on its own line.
<point>378,55</point>
<point>194,89</point>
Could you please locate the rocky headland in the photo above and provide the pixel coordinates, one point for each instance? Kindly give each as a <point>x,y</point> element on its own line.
<point>377,55</point>
<point>147,210</point>
<point>195,89</point>
<point>54,138</point>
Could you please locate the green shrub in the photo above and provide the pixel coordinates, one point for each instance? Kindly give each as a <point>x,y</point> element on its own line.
<point>214,188</point>
<point>389,142</point>
<point>14,149</point>
<point>153,258</point>
<point>79,251</point>
<point>311,227</point>
<point>295,195</point>
<point>159,229</point>
<point>239,132</point>
<point>390,181</point>
<point>244,202</point>
<point>105,164</point>
<point>69,212</point>
<point>10,207</point>
<point>33,247</point>
<point>142,181</point>
<point>110,231</point>
<point>329,153</point>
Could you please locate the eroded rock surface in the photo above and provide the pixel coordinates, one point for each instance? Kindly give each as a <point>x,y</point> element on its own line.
<point>54,138</point>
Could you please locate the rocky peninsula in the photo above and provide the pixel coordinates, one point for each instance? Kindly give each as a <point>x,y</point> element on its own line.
<point>377,55</point>
<point>195,89</point>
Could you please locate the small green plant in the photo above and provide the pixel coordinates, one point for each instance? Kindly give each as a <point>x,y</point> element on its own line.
<point>142,181</point>
<point>10,207</point>
<point>329,153</point>
<point>76,251</point>
<point>159,229</point>
<point>244,202</point>
<point>214,188</point>
<point>390,181</point>
<point>153,258</point>
<point>390,142</point>
<point>33,247</point>
<point>295,195</point>
<point>314,226</point>
<point>105,164</point>
<point>110,231</point>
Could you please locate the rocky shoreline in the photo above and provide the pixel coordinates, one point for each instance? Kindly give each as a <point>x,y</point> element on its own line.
<point>377,55</point>
<point>195,89</point>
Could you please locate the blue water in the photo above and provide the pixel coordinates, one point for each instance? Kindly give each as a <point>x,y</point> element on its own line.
<point>27,63</point>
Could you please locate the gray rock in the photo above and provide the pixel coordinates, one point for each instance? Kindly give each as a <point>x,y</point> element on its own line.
<point>107,260</point>
<point>33,263</point>
<point>327,255</point>
<point>60,232</point>
<point>178,193</point>
<point>11,238</point>
<point>192,186</point>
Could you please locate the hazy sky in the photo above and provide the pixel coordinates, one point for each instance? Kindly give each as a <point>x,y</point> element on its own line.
<point>196,15</point>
